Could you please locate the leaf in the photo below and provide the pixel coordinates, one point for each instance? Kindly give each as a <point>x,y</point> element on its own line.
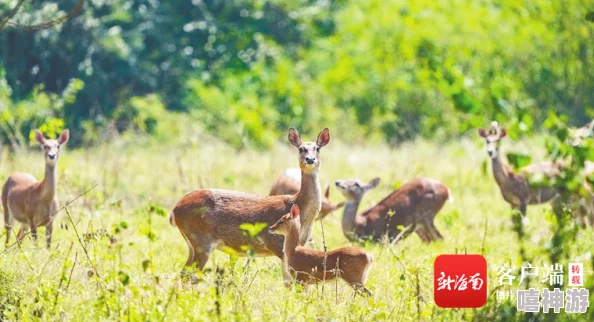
<point>518,160</point>
<point>590,16</point>
<point>253,229</point>
<point>160,211</point>
<point>145,264</point>
<point>124,278</point>
<point>391,213</point>
<point>396,184</point>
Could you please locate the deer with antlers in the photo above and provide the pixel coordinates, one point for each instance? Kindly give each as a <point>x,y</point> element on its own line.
<point>210,219</point>
<point>515,187</point>
<point>32,203</point>
<point>413,206</point>
<point>308,266</point>
<point>288,184</point>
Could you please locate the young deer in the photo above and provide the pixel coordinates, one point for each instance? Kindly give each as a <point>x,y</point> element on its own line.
<point>210,218</point>
<point>416,204</point>
<point>514,186</point>
<point>307,265</point>
<point>33,203</point>
<point>290,181</point>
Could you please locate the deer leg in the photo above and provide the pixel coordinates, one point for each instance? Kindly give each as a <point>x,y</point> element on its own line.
<point>48,234</point>
<point>53,208</point>
<point>21,234</point>
<point>435,235</point>
<point>423,234</point>
<point>33,232</point>
<point>200,248</point>
<point>7,225</point>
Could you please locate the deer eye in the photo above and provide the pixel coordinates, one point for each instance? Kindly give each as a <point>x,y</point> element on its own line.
<point>318,149</point>
<point>301,150</point>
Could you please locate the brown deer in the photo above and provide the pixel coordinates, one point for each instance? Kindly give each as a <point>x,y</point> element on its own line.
<point>290,181</point>
<point>33,203</point>
<point>515,187</point>
<point>307,266</point>
<point>414,206</point>
<point>210,218</point>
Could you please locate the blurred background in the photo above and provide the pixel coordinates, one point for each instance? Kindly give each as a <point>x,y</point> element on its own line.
<point>245,71</point>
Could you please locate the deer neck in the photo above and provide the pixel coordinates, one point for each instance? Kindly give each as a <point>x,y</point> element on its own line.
<point>309,200</point>
<point>500,170</point>
<point>49,184</point>
<point>291,241</point>
<point>350,219</point>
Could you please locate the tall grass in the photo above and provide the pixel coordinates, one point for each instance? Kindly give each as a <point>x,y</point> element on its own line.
<point>125,265</point>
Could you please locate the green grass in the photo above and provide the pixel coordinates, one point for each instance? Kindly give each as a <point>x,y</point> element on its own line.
<point>131,268</point>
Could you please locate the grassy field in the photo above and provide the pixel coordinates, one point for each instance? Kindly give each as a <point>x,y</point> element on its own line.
<point>129,266</point>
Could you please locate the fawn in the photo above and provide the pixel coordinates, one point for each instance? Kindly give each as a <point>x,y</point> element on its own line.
<point>288,183</point>
<point>306,266</point>
<point>413,205</point>
<point>514,187</point>
<point>210,218</point>
<point>33,203</point>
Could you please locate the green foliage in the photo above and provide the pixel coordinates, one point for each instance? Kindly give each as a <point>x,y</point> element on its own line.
<point>518,160</point>
<point>247,70</point>
<point>253,230</point>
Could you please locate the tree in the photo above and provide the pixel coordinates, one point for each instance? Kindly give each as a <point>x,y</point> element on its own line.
<point>44,25</point>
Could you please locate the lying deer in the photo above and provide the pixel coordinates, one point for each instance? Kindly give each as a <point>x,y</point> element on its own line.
<point>210,218</point>
<point>515,187</point>
<point>306,266</point>
<point>414,206</point>
<point>290,181</point>
<point>33,203</point>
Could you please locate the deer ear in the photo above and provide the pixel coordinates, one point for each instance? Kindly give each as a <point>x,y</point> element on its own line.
<point>294,211</point>
<point>64,137</point>
<point>503,133</point>
<point>39,137</point>
<point>323,138</point>
<point>372,184</point>
<point>482,133</point>
<point>327,193</point>
<point>294,138</point>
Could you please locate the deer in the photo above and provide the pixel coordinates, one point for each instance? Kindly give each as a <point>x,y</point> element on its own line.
<point>289,182</point>
<point>308,266</point>
<point>515,187</point>
<point>413,206</point>
<point>210,219</point>
<point>32,203</point>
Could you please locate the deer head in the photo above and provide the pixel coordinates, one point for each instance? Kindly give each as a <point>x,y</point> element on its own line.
<point>51,147</point>
<point>354,189</point>
<point>309,152</point>
<point>492,138</point>
<point>281,227</point>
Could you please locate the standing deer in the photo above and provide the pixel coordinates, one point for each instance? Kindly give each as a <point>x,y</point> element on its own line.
<point>33,203</point>
<point>415,204</point>
<point>210,218</point>
<point>515,187</point>
<point>290,181</point>
<point>307,266</point>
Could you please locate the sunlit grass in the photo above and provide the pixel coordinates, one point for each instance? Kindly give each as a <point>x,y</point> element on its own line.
<point>138,255</point>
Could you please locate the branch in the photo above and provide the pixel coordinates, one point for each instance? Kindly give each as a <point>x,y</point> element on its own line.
<point>11,14</point>
<point>76,10</point>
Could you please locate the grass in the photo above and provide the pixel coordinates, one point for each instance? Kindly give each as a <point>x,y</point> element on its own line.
<point>129,266</point>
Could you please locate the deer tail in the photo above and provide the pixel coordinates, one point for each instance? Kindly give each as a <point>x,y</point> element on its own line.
<point>172,219</point>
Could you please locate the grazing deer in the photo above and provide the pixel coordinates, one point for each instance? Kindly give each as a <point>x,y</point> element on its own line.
<point>307,266</point>
<point>33,203</point>
<point>290,181</point>
<point>515,187</point>
<point>415,204</point>
<point>210,218</point>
